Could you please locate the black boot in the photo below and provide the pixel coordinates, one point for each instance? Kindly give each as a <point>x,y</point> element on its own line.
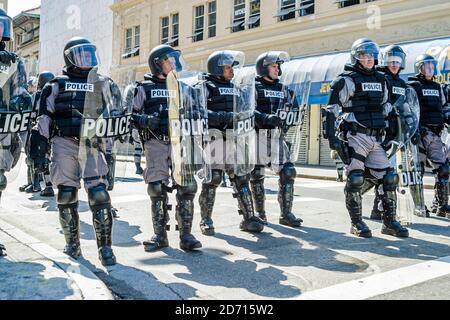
<point>160,217</point>
<point>259,198</point>
<point>70,223</point>
<point>139,169</point>
<point>206,200</point>
<point>2,250</point>
<point>286,201</point>
<point>184,216</point>
<point>390,225</point>
<point>250,222</point>
<point>29,179</point>
<point>48,191</point>
<point>440,204</point>
<point>353,202</point>
<point>103,223</point>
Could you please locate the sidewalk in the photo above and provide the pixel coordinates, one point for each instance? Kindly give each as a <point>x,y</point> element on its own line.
<point>35,271</point>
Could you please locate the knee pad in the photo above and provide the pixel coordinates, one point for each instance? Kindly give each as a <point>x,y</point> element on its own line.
<point>99,198</point>
<point>187,192</point>
<point>355,180</point>
<point>67,196</point>
<point>216,178</point>
<point>390,181</point>
<point>240,181</point>
<point>3,181</point>
<point>156,190</point>
<point>444,171</point>
<point>288,174</point>
<point>257,174</point>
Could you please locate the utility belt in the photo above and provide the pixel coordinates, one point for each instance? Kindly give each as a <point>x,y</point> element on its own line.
<point>354,128</point>
<point>147,135</point>
<point>436,129</point>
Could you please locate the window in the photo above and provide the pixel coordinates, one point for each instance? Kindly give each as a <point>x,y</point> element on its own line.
<point>170,28</point>
<point>288,9</point>
<point>164,30</point>
<point>347,3</point>
<point>137,36</point>
<point>255,11</point>
<point>132,42</point>
<point>212,19</point>
<point>238,16</point>
<point>199,22</point>
<point>128,39</point>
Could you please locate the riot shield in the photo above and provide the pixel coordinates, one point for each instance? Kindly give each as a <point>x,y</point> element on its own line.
<point>243,136</point>
<point>410,190</point>
<point>292,112</point>
<point>15,114</point>
<point>188,126</point>
<point>104,122</point>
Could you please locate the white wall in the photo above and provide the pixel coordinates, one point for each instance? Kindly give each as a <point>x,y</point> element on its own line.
<point>64,19</point>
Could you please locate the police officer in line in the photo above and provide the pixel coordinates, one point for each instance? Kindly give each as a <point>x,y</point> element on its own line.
<point>434,114</point>
<point>361,94</point>
<point>220,103</point>
<point>43,78</point>
<point>393,62</point>
<point>62,110</point>
<point>10,144</point>
<point>150,114</point>
<point>270,96</point>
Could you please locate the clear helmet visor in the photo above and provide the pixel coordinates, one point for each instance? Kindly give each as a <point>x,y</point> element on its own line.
<point>172,61</point>
<point>367,50</point>
<point>276,57</point>
<point>235,59</point>
<point>428,67</point>
<point>83,56</point>
<point>394,58</point>
<point>6,28</point>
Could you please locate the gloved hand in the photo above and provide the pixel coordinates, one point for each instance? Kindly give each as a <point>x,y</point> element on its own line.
<point>7,57</point>
<point>226,118</point>
<point>415,139</point>
<point>144,121</point>
<point>273,120</point>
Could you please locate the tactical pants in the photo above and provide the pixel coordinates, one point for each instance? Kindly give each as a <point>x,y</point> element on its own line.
<point>158,161</point>
<point>272,151</point>
<point>433,149</point>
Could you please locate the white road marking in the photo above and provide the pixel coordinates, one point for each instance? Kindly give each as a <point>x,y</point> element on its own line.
<point>382,283</point>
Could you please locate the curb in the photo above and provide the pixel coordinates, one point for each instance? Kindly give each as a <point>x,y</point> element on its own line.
<point>90,286</point>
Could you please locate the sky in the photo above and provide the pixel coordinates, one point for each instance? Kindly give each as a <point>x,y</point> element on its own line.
<point>17,6</point>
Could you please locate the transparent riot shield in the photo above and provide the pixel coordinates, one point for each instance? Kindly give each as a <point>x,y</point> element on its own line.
<point>410,196</point>
<point>244,134</point>
<point>297,88</point>
<point>188,126</point>
<point>15,114</point>
<point>104,122</point>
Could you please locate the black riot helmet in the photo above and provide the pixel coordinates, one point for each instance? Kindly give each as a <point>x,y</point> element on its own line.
<point>217,60</point>
<point>161,53</point>
<point>44,77</point>
<point>422,60</point>
<point>80,53</point>
<point>6,26</point>
<point>393,54</point>
<point>268,58</point>
<point>364,46</point>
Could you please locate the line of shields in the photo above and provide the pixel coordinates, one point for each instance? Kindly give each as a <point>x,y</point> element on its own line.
<point>15,114</point>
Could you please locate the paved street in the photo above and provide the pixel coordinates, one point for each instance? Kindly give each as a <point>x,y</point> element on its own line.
<point>280,263</point>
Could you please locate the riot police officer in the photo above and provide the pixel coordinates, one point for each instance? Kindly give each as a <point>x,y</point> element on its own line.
<point>270,98</point>
<point>434,114</point>
<point>362,95</point>
<point>150,114</point>
<point>220,102</point>
<point>393,62</point>
<point>17,100</point>
<point>65,103</point>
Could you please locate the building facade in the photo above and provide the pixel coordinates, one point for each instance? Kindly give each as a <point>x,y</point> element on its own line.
<point>4,5</point>
<point>63,19</point>
<point>26,39</point>
<point>304,28</point>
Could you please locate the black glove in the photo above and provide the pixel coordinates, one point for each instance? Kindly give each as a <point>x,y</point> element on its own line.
<point>415,139</point>
<point>7,57</point>
<point>226,118</point>
<point>20,103</point>
<point>144,121</point>
<point>273,120</point>
<point>39,147</point>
